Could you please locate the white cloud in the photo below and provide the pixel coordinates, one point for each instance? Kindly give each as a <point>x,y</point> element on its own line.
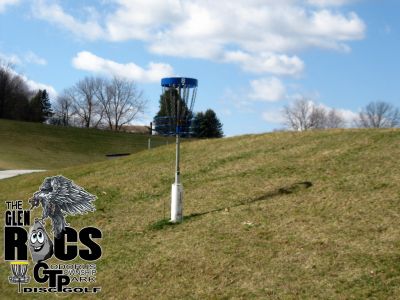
<point>54,13</point>
<point>325,23</point>
<point>33,58</point>
<point>236,99</point>
<point>137,19</point>
<point>267,89</point>
<point>253,27</point>
<point>29,58</point>
<point>34,85</point>
<point>88,61</point>
<point>10,58</point>
<point>5,3</point>
<point>266,63</point>
<point>260,36</point>
<point>348,115</point>
<point>273,116</point>
<point>330,2</point>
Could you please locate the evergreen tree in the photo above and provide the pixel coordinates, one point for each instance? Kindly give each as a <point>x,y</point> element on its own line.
<point>40,107</point>
<point>35,108</point>
<point>47,112</point>
<point>207,125</point>
<point>165,119</point>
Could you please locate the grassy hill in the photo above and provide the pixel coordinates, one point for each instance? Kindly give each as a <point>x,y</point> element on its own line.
<point>31,145</point>
<point>273,216</point>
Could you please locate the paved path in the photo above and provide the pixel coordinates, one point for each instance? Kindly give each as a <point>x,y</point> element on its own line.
<point>11,173</point>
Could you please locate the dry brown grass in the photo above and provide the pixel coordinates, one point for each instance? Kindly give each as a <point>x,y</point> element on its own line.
<point>27,145</point>
<point>250,230</point>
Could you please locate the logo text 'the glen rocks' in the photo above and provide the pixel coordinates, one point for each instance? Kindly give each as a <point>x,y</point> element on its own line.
<point>58,196</point>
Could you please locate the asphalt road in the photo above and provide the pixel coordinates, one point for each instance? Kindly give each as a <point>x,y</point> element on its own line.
<point>11,173</point>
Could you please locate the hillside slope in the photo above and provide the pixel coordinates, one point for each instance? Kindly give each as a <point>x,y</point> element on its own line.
<point>277,216</point>
<point>26,145</point>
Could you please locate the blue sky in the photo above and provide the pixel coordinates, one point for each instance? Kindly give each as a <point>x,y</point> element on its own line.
<point>251,57</point>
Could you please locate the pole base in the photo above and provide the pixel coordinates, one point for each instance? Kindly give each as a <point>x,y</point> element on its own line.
<point>176,203</point>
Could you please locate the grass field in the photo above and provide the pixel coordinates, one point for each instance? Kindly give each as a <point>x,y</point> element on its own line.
<point>37,146</point>
<point>274,216</point>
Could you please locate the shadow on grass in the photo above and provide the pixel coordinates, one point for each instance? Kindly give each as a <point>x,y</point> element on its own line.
<point>290,189</point>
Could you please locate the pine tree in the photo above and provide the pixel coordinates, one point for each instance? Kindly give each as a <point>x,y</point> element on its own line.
<point>46,106</point>
<point>165,120</point>
<point>207,125</point>
<point>40,107</point>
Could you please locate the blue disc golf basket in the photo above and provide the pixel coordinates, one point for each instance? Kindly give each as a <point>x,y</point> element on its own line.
<point>179,94</point>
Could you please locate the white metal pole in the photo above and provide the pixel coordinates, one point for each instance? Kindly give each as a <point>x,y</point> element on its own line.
<point>177,188</point>
<point>177,170</point>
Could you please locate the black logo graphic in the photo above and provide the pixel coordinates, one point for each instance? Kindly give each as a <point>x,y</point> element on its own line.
<point>59,197</point>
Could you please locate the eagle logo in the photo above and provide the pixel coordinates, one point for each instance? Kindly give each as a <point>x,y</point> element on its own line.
<point>59,197</point>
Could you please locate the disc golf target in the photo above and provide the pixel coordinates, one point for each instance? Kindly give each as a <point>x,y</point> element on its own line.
<point>175,118</point>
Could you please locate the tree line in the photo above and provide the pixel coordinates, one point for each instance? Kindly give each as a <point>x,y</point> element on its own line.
<point>18,101</point>
<point>305,115</point>
<point>98,102</point>
<point>92,102</point>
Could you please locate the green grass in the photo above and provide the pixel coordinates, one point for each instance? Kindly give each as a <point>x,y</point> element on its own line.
<point>273,216</point>
<point>31,145</point>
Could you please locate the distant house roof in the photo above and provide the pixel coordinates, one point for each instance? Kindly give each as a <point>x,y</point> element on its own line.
<point>136,129</point>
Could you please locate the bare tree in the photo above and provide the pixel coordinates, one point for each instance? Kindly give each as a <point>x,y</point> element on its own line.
<point>379,115</point>
<point>97,101</point>
<point>121,101</point>
<point>85,102</point>
<point>334,119</point>
<point>303,115</point>
<point>318,117</point>
<point>63,110</point>
<point>297,115</point>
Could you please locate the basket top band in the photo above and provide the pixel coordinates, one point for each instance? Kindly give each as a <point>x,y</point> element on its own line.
<point>179,82</point>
